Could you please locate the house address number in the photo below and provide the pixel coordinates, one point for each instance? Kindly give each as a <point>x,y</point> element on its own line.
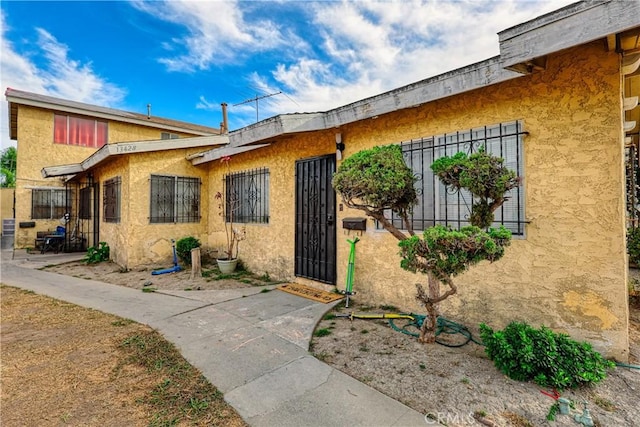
<point>126,148</point>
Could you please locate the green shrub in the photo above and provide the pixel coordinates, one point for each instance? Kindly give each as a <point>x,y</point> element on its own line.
<point>97,254</point>
<point>551,360</point>
<point>184,246</point>
<point>633,245</point>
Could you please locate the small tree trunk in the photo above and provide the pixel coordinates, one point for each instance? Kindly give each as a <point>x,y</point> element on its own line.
<point>428,329</point>
<point>196,267</point>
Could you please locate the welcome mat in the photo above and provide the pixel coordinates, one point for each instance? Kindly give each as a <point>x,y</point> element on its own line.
<point>309,292</point>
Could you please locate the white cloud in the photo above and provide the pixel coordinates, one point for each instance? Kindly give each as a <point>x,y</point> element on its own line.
<point>60,76</point>
<point>375,46</point>
<point>217,33</point>
<point>203,104</point>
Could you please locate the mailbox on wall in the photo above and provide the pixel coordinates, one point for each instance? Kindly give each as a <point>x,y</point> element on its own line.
<point>359,224</point>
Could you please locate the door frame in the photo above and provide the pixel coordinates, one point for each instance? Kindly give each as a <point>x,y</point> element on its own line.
<point>322,267</point>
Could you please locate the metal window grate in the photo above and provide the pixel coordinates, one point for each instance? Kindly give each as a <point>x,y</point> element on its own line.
<point>247,196</point>
<point>174,199</point>
<point>111,200</point>
<point>439,205</point>
<point>50,203</point>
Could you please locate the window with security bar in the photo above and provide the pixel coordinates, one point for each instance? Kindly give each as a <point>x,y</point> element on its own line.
<point>50,203</point>
<point>247,196</point>
<point>111,200</point>
<point>174,199</point>
<point>439,205</point>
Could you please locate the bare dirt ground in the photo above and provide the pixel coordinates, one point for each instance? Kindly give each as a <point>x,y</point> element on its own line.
<point>451,386</point>
<point>141,277</point>
<point>454,384</point>
<point>66,365</point>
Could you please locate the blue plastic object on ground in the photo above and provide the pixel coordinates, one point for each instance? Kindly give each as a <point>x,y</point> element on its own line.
<point>175,267</point>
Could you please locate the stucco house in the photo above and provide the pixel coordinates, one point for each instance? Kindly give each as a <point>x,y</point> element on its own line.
<point>559,104</point>
<point>51,131</point>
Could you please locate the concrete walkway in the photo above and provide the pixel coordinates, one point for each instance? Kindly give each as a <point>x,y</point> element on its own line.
<point>252,345</point>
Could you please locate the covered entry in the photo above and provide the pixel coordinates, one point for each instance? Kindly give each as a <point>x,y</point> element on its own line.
<point>315,246</point>
<point>83,215</point>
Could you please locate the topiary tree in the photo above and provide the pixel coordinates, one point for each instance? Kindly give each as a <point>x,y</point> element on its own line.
<point>378,180</point>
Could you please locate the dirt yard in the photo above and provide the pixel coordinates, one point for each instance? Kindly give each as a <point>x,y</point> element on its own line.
<point>451,386</point>
<point>68,365</point>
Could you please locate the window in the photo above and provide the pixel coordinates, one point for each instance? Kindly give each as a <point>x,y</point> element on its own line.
<point>247,196</point>
<point>174,199</point>
<point>49,203</point>
<point>111,200</point>
<point>85,203</point>
<point>437,204</point>
<point>167,135</point>
<point>85,132</point>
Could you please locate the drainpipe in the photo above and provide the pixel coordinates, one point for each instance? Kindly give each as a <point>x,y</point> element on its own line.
<point>224,126</point>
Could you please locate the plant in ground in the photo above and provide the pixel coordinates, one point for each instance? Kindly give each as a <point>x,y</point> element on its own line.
<point>378,180</point>
<point>549,359</point>
<point>97,254</point>
<point>633,245</point>
<point>184,246</point>
<point>228,205</point>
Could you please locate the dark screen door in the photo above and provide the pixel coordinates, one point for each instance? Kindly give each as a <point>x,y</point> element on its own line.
<point>315,219</point>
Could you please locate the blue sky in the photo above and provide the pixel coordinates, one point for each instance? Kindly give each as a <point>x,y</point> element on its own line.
<point>185,58</point>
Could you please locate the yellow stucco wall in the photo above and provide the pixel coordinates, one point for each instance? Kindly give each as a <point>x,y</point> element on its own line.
<point>37,150</point>
<point>122,132</point>
<point>268,247</point>
<point>135,241</point>
<point>6,203</point>
<point>569,272</point>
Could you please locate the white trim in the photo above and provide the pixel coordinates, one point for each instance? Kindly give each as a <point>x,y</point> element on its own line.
<point>133,147</point>
<point>218,153</point>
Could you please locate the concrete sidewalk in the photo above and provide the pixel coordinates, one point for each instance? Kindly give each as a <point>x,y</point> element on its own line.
<point>252,345</point>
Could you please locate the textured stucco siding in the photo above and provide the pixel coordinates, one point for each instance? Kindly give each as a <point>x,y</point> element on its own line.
<point>151,243</point>
<point>569,271</point>
<point>268,247</point>
<point>124,132</point>
<point>6,202</point>
<point>115,234</point>
<point>36,150</point>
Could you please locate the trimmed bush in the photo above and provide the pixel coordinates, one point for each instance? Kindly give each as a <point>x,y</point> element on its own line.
<point>551,360</point>
<point>633,245</point>
<point>184,246</point>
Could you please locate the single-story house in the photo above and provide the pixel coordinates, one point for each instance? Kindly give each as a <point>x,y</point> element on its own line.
<point>559,104</point>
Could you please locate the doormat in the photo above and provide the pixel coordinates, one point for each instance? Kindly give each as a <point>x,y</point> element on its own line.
<point>309,292</point>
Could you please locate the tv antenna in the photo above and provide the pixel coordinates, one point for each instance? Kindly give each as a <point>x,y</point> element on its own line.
<point>256,99</point>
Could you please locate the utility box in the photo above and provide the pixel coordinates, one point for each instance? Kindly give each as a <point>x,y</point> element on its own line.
<point>359,224</point>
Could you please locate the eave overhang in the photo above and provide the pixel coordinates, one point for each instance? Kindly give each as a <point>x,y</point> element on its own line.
<point>444,85</point>
<point>219,153</point>
<point>523,47</point>
<point>135,147</point>
<point>17,97</point>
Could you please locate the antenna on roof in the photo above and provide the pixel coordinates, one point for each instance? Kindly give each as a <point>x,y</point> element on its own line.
<point>148,111</point>
<point>256,99</point>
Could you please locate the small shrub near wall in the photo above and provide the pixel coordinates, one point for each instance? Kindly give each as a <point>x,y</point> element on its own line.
<point>633,246</point>
<point>184,246</point>
<point>551,360</point>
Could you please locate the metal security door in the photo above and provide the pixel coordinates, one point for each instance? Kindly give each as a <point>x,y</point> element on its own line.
<point>315,247</point>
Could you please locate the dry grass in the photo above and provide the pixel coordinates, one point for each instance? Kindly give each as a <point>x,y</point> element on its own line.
<point>63,364</point>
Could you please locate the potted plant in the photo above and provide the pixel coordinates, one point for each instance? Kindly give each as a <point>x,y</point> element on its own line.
<point>228,204</point>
